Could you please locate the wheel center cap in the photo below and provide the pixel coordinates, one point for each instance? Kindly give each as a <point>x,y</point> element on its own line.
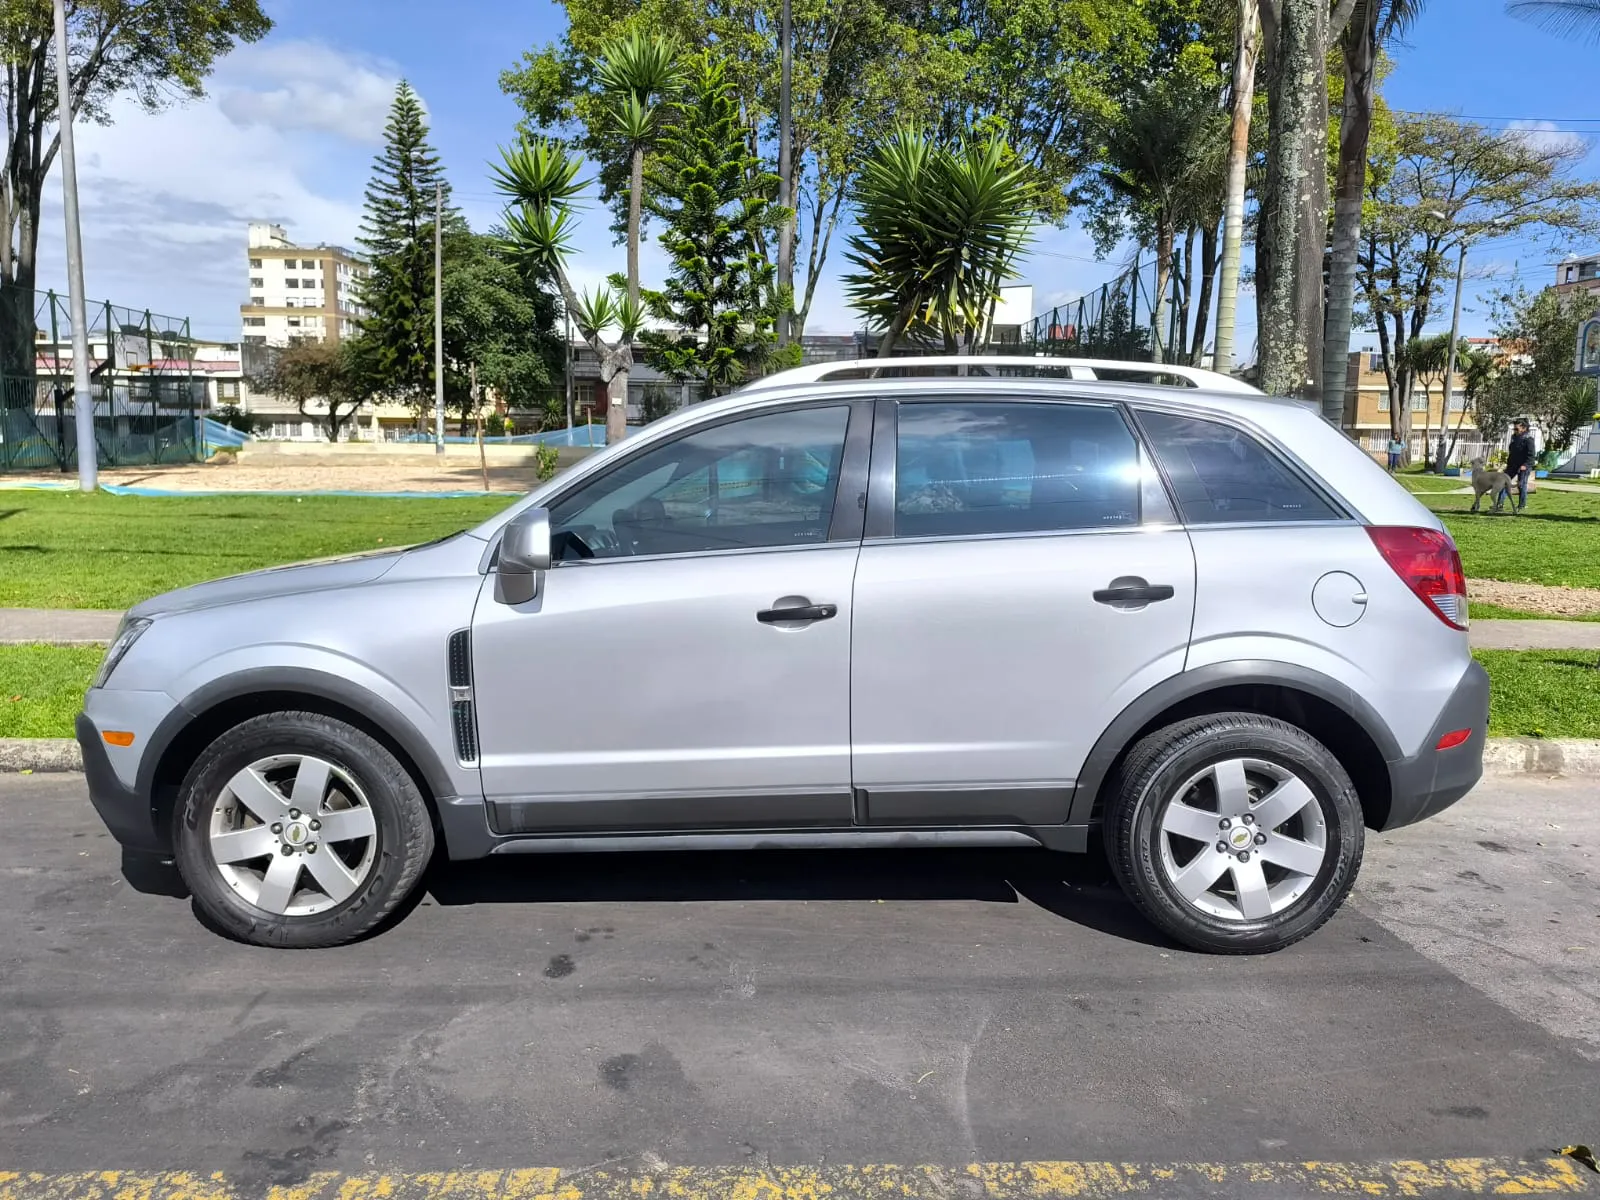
<point>296,833</point>
<point>1239,837</point>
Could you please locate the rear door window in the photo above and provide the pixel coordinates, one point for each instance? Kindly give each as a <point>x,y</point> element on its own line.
<point>1223,475</point>
<point>987,468</point>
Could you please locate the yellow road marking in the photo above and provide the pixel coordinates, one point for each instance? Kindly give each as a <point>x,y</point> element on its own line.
<point>979,1181</point>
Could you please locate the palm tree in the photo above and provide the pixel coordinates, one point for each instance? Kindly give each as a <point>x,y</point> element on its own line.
<point>1578,20</point>
<point>637,72</point>
<point>1372,24</point>
<point>540,179</point>
<point>1159,153</point>
<point>939,230</point>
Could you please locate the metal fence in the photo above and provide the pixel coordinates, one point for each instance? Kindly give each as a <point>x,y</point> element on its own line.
<point>1133,316</point>
<point>147,402</point>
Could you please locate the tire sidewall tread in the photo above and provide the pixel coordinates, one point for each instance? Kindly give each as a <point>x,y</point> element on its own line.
<point>405,829</point>
<point>1160,762</point>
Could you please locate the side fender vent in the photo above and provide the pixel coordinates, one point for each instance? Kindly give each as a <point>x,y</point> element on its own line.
<point>463,720</point>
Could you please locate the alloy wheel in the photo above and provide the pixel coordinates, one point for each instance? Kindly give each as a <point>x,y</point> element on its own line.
<point>293,835</point>
<point>1243,839</point>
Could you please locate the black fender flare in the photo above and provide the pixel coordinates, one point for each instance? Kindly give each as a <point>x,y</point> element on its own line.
<point>1188,685</point>
<point>321,684</point>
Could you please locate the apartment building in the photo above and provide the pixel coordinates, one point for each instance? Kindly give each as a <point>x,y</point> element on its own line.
<point>1367,403</point>
<point>299,292</point>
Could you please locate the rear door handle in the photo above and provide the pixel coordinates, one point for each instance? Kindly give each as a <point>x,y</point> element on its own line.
<point>804,612</point>
<point>1143,593</point>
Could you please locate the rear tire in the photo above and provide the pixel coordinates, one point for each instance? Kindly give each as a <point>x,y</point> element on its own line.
<point>298,830</point>
<point>1234,833</point>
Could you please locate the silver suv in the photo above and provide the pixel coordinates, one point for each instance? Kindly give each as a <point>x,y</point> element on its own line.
<point>988,602</point>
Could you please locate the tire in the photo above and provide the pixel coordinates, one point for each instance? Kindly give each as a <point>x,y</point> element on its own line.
<point>248,839</point>
<point>1269,886</point>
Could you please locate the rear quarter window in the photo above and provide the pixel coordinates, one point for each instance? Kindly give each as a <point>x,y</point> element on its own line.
<point>1223,475</point>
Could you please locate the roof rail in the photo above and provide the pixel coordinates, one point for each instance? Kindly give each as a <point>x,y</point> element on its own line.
<point>1009,365</point>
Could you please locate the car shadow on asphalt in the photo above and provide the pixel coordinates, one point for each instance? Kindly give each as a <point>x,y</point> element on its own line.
<point>1075,887</point>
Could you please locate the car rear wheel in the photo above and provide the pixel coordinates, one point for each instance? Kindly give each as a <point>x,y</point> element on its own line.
<point>1234,833</point>
<point>297,829</point>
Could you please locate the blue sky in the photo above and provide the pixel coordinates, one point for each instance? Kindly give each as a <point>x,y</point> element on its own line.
<point>290,125</point>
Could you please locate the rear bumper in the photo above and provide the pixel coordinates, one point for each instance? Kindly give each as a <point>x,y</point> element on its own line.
<point>1433,780</point>
<point>127,812</point>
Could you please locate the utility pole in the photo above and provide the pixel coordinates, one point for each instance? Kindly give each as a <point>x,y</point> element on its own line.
<point>785,179</point>
<point>438,318</point>
<point>82,401</point>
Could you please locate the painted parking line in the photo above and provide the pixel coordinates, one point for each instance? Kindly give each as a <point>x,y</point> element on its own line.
<point>979,1181</point>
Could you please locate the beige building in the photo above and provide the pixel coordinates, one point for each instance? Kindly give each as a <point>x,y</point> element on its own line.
<point>310,292</point>
<point>1367,401</point>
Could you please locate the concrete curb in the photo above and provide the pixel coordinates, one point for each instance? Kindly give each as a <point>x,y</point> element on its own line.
<point>1502,756</point>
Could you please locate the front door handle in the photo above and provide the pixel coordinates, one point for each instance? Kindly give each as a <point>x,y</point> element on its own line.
<point>803,612</point>
<point>1128,593</point>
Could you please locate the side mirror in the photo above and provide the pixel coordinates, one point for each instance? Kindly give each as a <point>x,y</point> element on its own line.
<point>524,556</point>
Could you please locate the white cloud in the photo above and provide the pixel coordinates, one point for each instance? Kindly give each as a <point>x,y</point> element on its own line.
<point>298,85</point>
<point>165,197</point>
<point>1546,137</point>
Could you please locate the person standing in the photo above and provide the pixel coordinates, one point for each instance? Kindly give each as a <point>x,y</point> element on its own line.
<point>1396,449</point>
<point>1520,460</point>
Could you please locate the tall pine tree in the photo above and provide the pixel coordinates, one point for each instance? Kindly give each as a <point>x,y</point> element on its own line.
<point>397,235</point>
<point>713,198</point>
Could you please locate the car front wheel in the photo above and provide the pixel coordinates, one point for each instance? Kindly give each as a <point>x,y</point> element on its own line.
<point>299,830</point>
<point>1234,833</point>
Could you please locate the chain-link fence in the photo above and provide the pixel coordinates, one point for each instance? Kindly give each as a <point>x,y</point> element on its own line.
<point>147,402</point>
<point>1136,316</point>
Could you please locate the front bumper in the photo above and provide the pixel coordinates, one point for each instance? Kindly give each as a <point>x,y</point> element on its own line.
<point>1432,780</point>
<point>126,809</point>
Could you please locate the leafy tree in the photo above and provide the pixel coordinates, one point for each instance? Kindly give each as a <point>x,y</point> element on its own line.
<point>1373,24</point>
<point>1164,153</point>
<point>939,230</point>
<point>637,73</point>
<point>325,376</point>
<point>498,318</point>
<point>1428,358</point>
<point>157,51</point>
<point>1539,332</point>
<point>713,199</point>
<point>858,67</point>
<point>1442,181</point>
<point>540,180</point>
<point>397,234</point>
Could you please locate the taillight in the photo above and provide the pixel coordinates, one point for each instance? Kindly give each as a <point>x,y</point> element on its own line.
<point>1429,563</point>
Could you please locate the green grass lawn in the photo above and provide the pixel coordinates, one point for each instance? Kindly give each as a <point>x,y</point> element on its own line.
<point>1555,542</point>
<point>41,688</point>
<point>1543,693</point>
<point>1535,693</point>
<point>66,550</point>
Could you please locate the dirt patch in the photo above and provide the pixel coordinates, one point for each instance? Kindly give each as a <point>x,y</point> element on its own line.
<point>313,476</point>
<point>1535,597</point>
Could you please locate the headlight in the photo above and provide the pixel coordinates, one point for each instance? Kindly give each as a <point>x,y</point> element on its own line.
<point>127,634</point>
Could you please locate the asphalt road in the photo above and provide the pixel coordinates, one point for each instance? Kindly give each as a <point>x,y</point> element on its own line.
<point>799,1008</point>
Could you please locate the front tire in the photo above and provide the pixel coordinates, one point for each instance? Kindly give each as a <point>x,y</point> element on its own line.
<point>298,830</point>
<point>1234,833</point>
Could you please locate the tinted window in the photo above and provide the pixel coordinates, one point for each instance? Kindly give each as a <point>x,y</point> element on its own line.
<point>1013,468</point>
<point>1221,474</point>
<point>762,481</point>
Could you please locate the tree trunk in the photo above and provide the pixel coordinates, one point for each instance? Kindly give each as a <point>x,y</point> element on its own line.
<point>1355,127</point>
<point>1158,313</point>
<point>635,200</point>
<point>1185,297</point>
<point>896,328</point>
<point>1246,46</point>
<point>1284,297</point>
<point>1311,247</point>
<point>1208,279</point>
